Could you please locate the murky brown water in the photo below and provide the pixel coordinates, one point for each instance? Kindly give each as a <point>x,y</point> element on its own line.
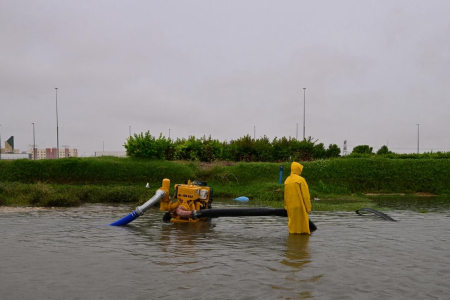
<point>70,254</point>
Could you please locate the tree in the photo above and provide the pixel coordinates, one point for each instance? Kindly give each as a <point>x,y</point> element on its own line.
<point>319,151</point>
<point>384,150</point>
<point>333,151</point>
<point>363,149</point>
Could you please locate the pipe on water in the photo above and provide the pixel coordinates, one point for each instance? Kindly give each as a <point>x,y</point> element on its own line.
<point>140,210</point>
<point>245,212</point>
<point>281,174</point>
<point>241,212</point>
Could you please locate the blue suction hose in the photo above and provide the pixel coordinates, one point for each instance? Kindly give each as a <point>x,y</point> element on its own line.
<point>140,210</point>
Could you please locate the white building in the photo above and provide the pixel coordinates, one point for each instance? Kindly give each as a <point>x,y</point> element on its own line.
<point>50,153</point>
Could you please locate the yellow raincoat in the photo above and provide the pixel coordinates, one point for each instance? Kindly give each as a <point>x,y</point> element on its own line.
<point>296,200</point>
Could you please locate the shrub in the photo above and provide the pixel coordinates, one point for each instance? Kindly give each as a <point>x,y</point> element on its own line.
<point>383,150</point>
<point>333,151</point>
<point>362,149</point>
<point>244,149</point>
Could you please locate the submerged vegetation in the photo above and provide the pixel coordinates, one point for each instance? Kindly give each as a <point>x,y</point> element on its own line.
<point>43,194</point>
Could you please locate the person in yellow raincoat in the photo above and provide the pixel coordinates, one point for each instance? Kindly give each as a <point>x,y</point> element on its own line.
<point>297,201</point>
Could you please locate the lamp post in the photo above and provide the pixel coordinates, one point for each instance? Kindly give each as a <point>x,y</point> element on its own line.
<point>57,127</point>
<point>34,144</point>
<point>418,138</point>
<point>304,111</point>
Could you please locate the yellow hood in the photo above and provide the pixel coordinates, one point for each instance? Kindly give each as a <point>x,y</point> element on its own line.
<point>296,168</point>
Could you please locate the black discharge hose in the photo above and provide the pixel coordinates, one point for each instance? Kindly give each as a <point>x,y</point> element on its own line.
<point>376,212</point>
<point>246,212</point>
<point>242,212</point>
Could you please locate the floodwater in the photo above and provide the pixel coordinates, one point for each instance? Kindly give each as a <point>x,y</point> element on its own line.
<point>69,253</point>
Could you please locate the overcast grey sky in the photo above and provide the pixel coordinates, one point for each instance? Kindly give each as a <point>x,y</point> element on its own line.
<point>372,71</point>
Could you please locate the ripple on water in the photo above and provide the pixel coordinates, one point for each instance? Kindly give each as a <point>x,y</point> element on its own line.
<point>69,253</point>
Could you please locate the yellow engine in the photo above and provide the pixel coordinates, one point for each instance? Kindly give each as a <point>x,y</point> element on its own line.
<point>190,197</point>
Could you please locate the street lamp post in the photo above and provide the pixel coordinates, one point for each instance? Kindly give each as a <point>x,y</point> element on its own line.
<point>57,127</point>
<point>304,111</point>
<point>418,138</point>
<point>34,144</point>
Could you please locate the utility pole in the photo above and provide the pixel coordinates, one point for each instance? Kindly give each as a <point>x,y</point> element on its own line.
<point>57,127</point>
<point>34,144</point>
<point>418,138</point>
<point>304,111</point>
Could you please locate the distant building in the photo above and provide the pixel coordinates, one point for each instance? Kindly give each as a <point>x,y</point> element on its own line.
<point>9,145</point>
<point>50,153</point>
<point>9,152</point>
<point>111,153</point>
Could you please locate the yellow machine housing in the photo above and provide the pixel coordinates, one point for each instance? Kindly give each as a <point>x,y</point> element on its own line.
<point>189,197</point>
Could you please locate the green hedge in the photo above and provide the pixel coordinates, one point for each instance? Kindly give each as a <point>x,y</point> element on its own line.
<point>340,176</point>
<point>380,175</point>
<point>103,170</point>
<point>363,175</point>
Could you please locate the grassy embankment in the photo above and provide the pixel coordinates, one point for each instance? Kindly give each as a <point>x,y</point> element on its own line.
<point>339,183</point>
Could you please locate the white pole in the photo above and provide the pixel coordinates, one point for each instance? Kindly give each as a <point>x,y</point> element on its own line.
<point>304,111</point>
<point>34,144</point>
<point>57,127</point>
<point>418,138</point>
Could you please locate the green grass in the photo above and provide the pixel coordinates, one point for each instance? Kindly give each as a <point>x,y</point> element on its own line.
<point>339,183</point>
<point>41,194</point>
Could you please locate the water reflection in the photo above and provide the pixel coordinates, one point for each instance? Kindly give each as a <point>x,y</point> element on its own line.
<point>297,258</point>
<point>184,236</point>
<point>297,254</point>
<point>51,253</point>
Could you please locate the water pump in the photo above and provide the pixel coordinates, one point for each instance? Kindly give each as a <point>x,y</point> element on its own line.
<point>192,203</point>
<point>189,198</point>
